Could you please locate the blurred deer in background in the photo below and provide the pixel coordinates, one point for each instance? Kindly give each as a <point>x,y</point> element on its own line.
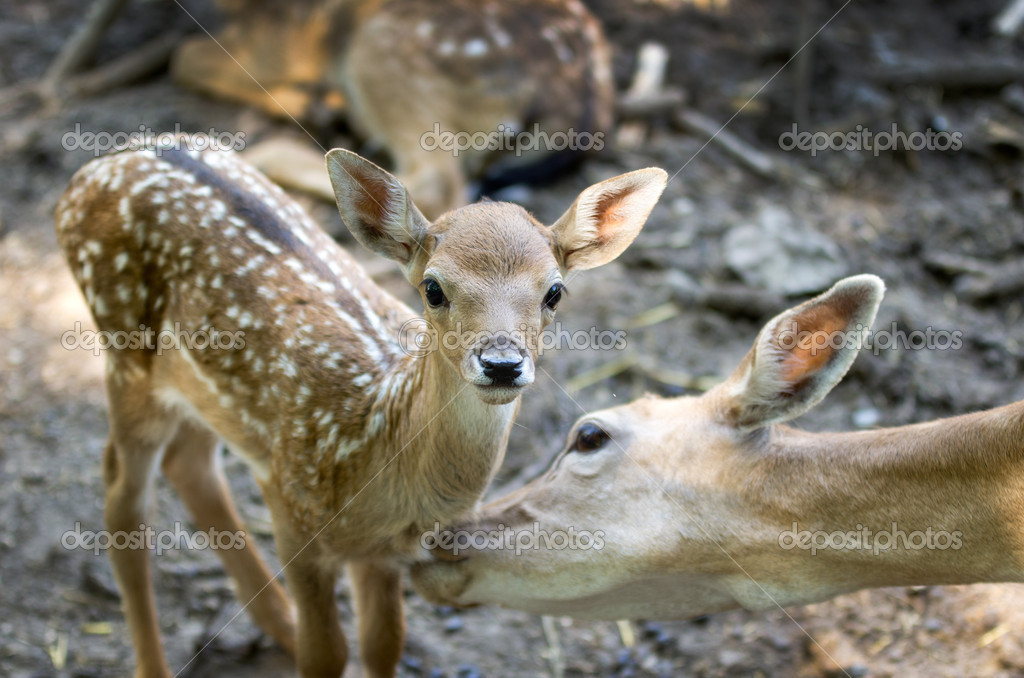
<point>358,442</point>
<point>402,70</point>
<point>710,503</point>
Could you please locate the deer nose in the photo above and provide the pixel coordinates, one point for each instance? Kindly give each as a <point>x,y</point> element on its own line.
<point>502,370</point>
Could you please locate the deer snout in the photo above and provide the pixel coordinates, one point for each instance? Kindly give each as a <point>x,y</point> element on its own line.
<point>499,366</point>
<point>506,367</point>
<point>502,361</point>
<point>502,367</point>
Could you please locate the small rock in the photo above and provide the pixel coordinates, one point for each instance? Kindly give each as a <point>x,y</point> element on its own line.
<point>98,579</point>
<point>779,255</point>
<point>730,658</point>
<point>453,624</point>
<point>517,193</point>
<point>435,673</point>
<point>932,624</point>
<point>1013,96</point>
<point>34,479</point>
<point>866,417</point>
<point>413,664</point>
<point>664,640</point>
<point>651,629</point>
<point>468,671</point>
<point>781,642</point>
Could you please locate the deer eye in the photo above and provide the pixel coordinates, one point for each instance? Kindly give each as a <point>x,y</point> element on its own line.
<point>433,292</point>
<point>590,437</point>
<point>554,296</point>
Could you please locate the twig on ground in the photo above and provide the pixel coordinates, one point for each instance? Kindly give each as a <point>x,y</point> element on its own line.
<point>976,71</point>
<point>752,158</point>
<point>626,633</point>
<point>81,46</point>
<point>600,373</point>
<point>804,62</point>
<point>125,69</point>
<point>1008,22</point>
<point>997,281</point>
<point>645,92</point>
<point>554,647</point>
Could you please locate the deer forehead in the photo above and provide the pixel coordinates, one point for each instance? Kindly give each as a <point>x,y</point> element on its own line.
<point>666,432</point>
<point>496,242</point>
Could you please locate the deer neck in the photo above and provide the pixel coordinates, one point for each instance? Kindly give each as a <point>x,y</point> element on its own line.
<point>934,503</point>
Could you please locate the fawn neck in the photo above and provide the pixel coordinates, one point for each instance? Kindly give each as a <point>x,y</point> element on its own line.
<point>446,441</point>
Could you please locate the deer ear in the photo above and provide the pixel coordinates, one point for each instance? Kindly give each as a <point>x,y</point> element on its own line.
<point>375,207</point>
<point>606,218</point>
<point>801,354</point>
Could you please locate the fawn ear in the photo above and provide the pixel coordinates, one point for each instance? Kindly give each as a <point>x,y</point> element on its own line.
<point>606,218</point>
<point>801,354</point>
<point>375,207</point>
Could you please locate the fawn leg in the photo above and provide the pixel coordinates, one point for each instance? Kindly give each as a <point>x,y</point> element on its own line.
<point>378,595</point>
<point>139,429</point>
<point>320,647</point>
<point>192,465</point>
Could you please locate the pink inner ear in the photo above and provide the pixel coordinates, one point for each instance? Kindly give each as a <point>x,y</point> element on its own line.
<point>372,196</point>
<point>813,348</point>
<point>610,212</point>
<point>810,355</point>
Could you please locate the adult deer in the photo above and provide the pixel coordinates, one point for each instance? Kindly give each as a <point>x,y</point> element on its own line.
<point>357,445</point>
<point>402,70</point>
<point>709,503</point>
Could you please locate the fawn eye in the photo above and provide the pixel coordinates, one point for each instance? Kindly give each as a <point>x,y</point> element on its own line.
<point>433,292</point>
<point>554,296</point>
<point>590,437</point>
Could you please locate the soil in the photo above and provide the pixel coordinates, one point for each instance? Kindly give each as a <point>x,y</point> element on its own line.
<point>902,215</point>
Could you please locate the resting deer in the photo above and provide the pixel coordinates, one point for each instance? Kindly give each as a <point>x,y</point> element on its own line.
<point>400,68</point>
<point>357,445</point>
<point>709,503</point>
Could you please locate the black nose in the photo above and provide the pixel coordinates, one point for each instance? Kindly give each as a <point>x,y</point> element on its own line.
<point>502,371</point>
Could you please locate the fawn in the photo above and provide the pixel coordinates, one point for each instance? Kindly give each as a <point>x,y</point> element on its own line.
<point>728,508</point>
<point>357,443</point>
<point>403,69</point>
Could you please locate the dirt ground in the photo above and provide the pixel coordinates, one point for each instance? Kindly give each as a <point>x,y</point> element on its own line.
<point>930,223</point>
